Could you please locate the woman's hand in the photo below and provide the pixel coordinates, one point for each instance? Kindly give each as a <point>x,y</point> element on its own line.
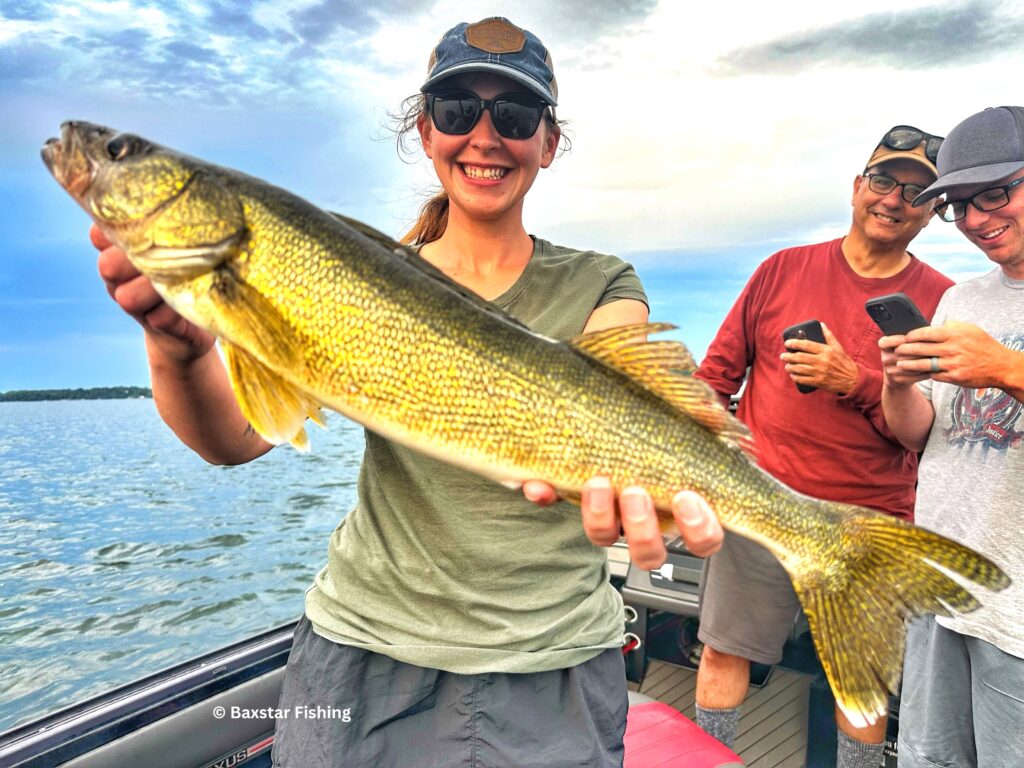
<point>632,513</point>
<point>175,336</point>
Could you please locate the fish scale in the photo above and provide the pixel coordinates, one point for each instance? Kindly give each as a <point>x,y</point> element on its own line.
<point>313,310</point>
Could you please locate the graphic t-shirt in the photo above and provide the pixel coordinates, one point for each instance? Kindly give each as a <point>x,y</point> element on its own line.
<point>971,482</point>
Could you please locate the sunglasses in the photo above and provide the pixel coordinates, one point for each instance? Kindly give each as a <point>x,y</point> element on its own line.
<point>906,137</point>
<point>514,115</point>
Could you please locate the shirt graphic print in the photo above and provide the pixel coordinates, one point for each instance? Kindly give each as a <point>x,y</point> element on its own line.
<point>989,417</point>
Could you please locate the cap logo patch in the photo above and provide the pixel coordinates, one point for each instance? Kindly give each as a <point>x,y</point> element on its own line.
<point>496,36</point>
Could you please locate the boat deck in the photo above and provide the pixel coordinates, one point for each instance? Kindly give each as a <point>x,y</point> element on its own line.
<point>773,722</point>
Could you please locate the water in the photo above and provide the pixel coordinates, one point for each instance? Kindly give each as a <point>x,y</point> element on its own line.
<point>123,553</point>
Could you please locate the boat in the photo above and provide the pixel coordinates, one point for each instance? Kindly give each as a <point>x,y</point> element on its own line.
<point>217,710</point>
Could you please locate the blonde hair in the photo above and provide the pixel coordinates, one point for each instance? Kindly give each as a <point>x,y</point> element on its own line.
<point>432,220</point>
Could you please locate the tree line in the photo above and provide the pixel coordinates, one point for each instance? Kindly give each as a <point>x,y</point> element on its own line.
<point>93,393</point>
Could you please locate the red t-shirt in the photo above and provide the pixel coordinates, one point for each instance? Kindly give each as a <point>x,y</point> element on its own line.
<point>835,447</point>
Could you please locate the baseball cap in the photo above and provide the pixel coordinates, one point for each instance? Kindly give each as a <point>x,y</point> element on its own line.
<point>894,146</point>
<point>494,45</point>
<point>984,148</point>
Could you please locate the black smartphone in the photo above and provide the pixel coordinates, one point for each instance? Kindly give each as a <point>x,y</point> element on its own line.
<point>895,314</point>
<point>808,329</point>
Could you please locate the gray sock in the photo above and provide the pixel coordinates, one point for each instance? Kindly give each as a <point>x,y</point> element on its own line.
<point>856,754</point>
<point>720,723</point>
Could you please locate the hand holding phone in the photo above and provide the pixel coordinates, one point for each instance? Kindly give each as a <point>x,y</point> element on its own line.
<point>895,314</point>
<point>810,330</point>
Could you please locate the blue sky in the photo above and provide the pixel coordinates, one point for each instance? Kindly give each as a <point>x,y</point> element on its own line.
<point>703,138</point>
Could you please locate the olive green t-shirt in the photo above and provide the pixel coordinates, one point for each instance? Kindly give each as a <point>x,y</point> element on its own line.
<point>442,568</point>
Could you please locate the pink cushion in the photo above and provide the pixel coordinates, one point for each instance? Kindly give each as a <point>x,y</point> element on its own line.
<point>658,736</point>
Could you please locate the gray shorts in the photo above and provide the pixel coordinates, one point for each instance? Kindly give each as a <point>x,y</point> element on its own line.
<point>345,706</point>
<point>962,704</point>
<point>747,603</point>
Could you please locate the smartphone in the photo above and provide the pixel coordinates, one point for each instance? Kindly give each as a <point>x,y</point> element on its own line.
<point>808,329</point>
<point>895,314</point>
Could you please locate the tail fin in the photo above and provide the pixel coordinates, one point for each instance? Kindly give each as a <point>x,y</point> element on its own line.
<point>856,607</point>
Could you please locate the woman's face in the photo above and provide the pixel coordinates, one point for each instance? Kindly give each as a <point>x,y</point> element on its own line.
<point>485,174</point>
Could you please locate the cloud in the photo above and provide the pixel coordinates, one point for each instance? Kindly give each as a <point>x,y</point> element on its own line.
<point>235,19</point>
<point>588,21</point>
<point>916,39</point>
<point>24,10</point>
<point>218,53</point>
<point>224,52</point>
<point>27,62</point>
<point>317,23</point>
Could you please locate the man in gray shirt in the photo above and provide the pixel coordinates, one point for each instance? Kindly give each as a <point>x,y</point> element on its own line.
<point>955,389</point>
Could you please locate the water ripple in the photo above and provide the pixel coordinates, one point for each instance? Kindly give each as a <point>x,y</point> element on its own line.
<point>122,553</point>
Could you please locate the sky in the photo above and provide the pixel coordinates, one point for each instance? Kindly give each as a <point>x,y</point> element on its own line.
<point>705,136</point>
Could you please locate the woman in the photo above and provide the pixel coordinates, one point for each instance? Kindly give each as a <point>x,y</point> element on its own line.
<point>456,621</point>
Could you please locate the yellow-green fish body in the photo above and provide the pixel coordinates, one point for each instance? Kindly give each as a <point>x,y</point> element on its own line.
<point>314,310</point>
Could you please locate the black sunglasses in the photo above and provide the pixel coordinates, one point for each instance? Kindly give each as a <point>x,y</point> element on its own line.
<point>515,115</point>
<point>906,137</point>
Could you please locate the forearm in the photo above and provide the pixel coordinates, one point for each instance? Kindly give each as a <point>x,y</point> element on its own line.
<point>908,415</point>
<point>866,396</point>
<point>195,399</point>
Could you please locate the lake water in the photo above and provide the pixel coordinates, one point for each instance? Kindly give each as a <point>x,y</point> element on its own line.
<point>123,553</point>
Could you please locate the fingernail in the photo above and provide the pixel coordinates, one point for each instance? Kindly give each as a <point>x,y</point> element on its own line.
<point>599,495</point>
<point>633,503</point>
<point>691,514</point>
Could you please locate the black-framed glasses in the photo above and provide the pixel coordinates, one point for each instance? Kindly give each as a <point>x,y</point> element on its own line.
<point>883,185</point>
<point>906,137</point>
<point>991,199</point>
<point>515,115</point>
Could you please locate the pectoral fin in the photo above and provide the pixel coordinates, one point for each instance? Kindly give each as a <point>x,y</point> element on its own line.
<point>276,408</point>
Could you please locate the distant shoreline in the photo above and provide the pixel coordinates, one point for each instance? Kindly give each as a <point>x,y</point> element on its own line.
<point>93,393</point>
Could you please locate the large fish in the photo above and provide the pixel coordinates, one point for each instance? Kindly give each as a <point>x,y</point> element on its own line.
<point>312,310</point>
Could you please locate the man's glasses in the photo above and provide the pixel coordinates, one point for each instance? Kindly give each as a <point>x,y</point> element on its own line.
<point>906,137</point>
<point>883,185</point>
<point>515,115</point>
<point>990,200</point>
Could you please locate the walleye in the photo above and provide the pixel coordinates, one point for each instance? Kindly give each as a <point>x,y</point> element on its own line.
<point>314,310</point>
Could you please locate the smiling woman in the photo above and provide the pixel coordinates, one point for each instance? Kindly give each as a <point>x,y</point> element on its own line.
<point>485,118</point>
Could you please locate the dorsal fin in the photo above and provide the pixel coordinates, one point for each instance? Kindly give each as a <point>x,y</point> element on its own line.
<point>666,369</point>
<point>411,257</point>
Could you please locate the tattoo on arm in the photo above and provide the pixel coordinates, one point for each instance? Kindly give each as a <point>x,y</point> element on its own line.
<point>249,430</point>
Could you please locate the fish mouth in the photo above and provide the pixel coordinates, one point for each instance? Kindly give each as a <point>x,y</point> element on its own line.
<point>67,160</point>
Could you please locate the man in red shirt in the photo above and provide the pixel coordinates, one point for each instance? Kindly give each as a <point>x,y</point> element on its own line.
<point>832,442</point>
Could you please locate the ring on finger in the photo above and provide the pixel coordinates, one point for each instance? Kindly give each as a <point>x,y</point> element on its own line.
<point>935,365</point>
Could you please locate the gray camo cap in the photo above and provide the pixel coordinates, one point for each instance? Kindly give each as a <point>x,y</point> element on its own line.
<point>983,149</point>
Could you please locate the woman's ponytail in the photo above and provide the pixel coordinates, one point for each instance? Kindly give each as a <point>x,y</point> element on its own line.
<point>431,223</point>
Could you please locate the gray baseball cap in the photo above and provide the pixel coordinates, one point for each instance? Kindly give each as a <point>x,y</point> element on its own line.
<point>494,45</point>
<point>983,149</point>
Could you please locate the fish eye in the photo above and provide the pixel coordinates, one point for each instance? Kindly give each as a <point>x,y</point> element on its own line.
<point>122,145</point>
